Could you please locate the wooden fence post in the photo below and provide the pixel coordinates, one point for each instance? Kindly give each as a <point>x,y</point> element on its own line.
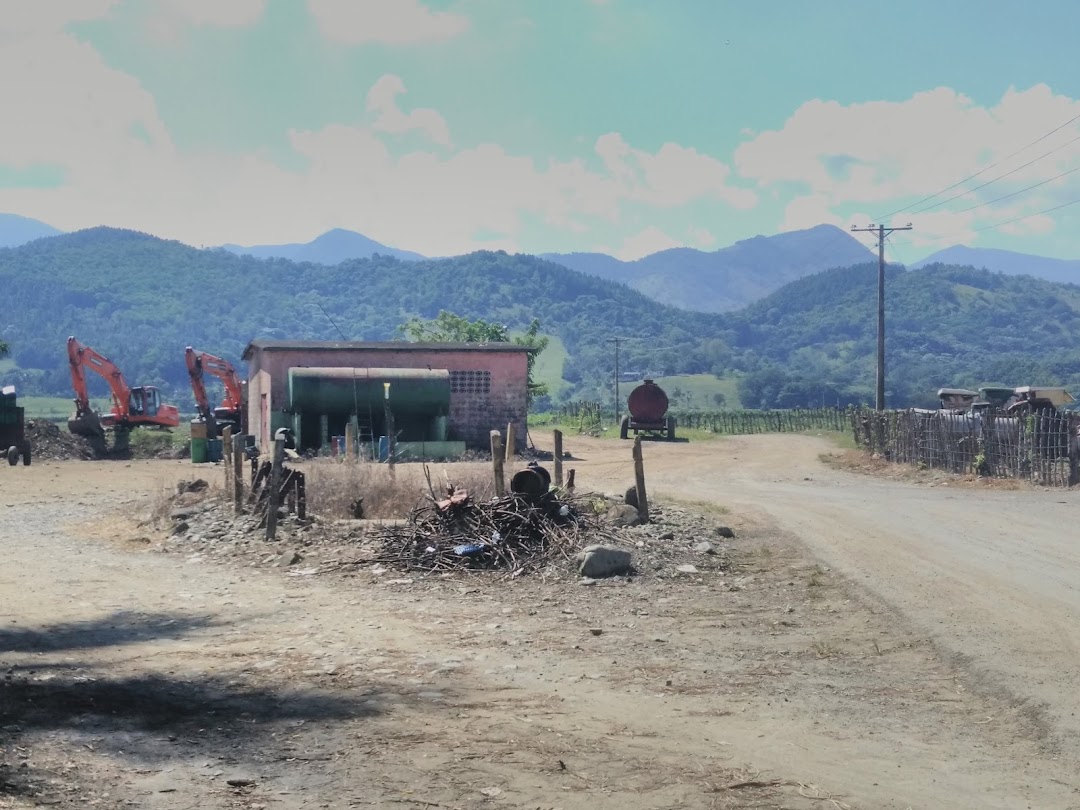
<point>497,463</point>
<point>558,458</point>
<point>226,457</point>
<point>349,439</point>
<point>274,499</point>
<point>238,473</point>
<point>639,482</point>
<point>511,441</point>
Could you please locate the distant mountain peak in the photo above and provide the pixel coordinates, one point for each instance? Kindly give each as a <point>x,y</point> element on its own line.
<point>333,247</point>
<point>729,277</point>
<point>1007,262</point>
<point>16,230</point>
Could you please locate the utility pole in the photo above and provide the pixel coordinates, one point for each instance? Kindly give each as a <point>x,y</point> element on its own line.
<point>881,232</point>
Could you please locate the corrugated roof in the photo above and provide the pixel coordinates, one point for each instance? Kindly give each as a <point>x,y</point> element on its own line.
<point>386,345</point>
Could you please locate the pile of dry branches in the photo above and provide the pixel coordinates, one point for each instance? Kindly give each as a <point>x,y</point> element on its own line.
<point>514,533</point>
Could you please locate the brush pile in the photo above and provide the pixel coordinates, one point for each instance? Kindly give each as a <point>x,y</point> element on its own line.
<point>515,533</point>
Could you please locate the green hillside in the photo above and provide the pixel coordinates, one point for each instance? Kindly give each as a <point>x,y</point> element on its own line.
<point>141,300</point>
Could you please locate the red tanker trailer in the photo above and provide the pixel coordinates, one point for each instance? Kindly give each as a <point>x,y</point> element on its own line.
<point>648,406</point>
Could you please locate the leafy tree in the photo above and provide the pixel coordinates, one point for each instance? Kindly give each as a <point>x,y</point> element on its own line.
<point>447,327</point>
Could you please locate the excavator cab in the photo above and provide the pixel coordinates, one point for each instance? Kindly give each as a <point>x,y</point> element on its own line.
<point>144,401</point>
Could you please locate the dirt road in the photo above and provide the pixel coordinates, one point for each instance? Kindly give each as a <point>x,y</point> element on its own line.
<point>992,577</point>
<point>137,678</point>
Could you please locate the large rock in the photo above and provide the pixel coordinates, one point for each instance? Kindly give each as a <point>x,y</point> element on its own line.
<point>603,561</point>
<point>623,516</point>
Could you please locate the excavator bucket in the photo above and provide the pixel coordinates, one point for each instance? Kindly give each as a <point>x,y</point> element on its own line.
<point>88,425</point>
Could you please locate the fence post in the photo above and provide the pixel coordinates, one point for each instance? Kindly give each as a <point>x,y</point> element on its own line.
<point>497,463</point>
<point>226,456</point>
<point>511,441</point>
<point>639,481</point>
<point>558,458</point>
<point>238,473</point>
<point>274,499</point>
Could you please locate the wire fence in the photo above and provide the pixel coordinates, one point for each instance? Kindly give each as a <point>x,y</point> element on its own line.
<point>1040,447</point>
<point>585,415</point>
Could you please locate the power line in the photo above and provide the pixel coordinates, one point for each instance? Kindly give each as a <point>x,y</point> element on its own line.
<point>982,170</point>
<point>1013,194</point>
<point>999,177</point>
<point>1003,223</point>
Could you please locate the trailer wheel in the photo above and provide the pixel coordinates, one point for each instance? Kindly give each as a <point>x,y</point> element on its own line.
<point>13,455</point>
<point>624,427</point>
<point>26,456</point>
<point>671,428</point>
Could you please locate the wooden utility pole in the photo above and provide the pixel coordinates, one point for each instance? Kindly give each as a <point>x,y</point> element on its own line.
<point>882,232</point>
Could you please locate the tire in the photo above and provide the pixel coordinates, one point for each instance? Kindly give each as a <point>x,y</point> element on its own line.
<point>624,427</point>
<point>13,455</point>
<point>671,428</point>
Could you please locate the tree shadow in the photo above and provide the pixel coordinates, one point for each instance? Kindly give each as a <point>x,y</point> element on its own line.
<point>147,717</point>
<point>114,630</point>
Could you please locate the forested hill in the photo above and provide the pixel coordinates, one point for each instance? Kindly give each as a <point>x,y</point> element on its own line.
<point>815,339</point>
<point>140,300</point>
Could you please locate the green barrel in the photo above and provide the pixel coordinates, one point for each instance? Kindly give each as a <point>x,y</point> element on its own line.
<point>200,451</point>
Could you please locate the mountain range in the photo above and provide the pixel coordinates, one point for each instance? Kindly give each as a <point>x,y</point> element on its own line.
<point>1007,262</point>
<point>810,341</point>
<point>708,281</point>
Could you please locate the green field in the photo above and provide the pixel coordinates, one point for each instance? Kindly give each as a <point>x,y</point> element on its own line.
<point>549,367</point>
<point>696,392</point>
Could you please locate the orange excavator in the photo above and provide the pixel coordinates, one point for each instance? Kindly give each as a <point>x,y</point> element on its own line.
<point>132,407</point>
<point>231,411</point>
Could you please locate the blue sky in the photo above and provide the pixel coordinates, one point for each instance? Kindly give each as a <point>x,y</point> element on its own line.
<point>625,126</point>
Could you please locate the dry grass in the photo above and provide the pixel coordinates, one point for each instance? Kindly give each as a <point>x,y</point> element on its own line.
<point>333,486</point>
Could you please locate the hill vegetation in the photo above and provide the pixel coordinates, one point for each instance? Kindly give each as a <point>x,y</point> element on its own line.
<point>141,300</point>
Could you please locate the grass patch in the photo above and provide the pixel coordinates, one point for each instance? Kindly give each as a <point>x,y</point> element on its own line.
<point>549,367</point>
<point>335,485</point>
<point>698,391</point>
<point>822,649</point>
<point>704,507</point>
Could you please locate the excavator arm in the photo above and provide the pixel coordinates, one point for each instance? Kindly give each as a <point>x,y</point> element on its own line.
<point>80,358</point>
<point>200,362</point>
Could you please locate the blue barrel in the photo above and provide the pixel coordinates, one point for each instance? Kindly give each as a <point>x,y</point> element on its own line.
<point>214,451</point>
<point>384,448</point>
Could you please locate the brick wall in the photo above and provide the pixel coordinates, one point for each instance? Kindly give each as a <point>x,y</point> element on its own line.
<point>487,389</point>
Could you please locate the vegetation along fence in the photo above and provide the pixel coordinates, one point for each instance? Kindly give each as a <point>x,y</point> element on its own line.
<point>1041,447</point>
<point>590,414</point>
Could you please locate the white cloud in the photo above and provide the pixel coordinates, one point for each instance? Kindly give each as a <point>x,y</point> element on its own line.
<point>701,237</point>
<point>220,13</point>
<point>886,155</point>
<point>651,240</point>
<point>45,16</point>
<point>382,99</point>
<point>393,22</point>
<point>673,176</point>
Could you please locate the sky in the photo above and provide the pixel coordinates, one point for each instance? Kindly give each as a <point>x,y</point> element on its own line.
<point>619,126</point>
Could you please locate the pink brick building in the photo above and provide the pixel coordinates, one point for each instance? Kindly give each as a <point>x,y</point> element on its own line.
<point>455,391</point>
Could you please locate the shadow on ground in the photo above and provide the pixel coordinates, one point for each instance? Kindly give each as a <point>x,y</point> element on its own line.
<point>144,717</point>
<point>114,630</point>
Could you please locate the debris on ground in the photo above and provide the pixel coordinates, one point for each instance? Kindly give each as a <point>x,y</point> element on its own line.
<point>513,533</point>
<point>51,443</point>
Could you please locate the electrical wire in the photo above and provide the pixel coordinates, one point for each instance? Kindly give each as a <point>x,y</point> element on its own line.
<point>981,171</point>
<point>999,177</point>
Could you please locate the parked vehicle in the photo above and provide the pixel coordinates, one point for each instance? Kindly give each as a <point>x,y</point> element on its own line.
<point>13,442</point>
<point>648,406</point>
